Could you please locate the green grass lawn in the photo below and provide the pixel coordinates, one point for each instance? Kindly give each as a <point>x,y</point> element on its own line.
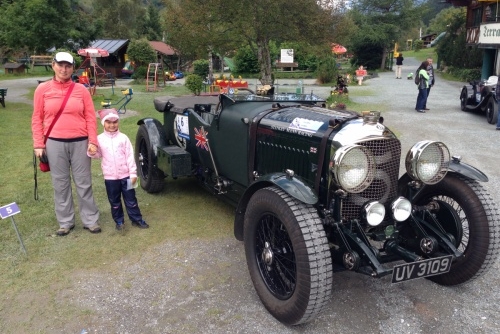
<point>183,210</point>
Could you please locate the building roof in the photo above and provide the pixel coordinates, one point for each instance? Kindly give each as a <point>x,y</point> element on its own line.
<point>161,47</point>
<point>110,45</point>
<point>13,65</point>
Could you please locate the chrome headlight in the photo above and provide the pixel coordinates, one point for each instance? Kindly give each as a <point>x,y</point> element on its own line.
<point>401,209</point>
<point>374,213</point>
<point>428,161</point>
<point>353,168</point>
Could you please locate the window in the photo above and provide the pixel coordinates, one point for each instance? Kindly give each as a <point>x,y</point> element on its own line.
<point>491,14</point>
<point>477,15</point>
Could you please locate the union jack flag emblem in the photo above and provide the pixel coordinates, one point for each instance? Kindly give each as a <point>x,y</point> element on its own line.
<point>201,138</point>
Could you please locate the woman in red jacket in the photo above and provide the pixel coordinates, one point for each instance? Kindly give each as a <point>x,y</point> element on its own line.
<point>73,134</point>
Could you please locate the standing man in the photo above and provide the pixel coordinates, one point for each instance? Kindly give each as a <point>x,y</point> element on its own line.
<point>430,71</point>
<point>399,65</point>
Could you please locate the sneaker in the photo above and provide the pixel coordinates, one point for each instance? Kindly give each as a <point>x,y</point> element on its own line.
<point>120,226</point>
<point>141,224</point>
<point>64,231</point>
<point>498,128</point>
<point>93,229</point>
<point>421,110</point>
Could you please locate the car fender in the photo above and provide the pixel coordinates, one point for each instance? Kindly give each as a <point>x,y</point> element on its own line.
<point>156,133</point>
<point>292,185</point>
<point>455,166</point>
<point>467,170</point>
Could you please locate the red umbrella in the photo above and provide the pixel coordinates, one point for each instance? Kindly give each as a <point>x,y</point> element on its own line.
<point>338,49</point>
<point>93,52</point>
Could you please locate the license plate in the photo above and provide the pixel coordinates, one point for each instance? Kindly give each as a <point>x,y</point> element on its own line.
<point>419,269</point>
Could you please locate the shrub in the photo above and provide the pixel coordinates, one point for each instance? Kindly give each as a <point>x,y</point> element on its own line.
<point>327,70</point>
<point>465,74</point>
<point>140,73</point>
<point>200,67</point>
<point>246,60</point>
<point>194,83</point>
<point>418,45</point>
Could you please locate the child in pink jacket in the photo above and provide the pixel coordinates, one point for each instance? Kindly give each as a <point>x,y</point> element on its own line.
<point>119,170</point>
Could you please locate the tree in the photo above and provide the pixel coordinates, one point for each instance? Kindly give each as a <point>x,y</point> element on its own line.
<point>381,23</point>
<point>452,49</point>
<point>84,28</point>
<point>36,24</point>
<point>197,30</point>
<point>141,52</point>
<point>443,20</point>
<point>119,18</point>
<point>220,26</point>
<point>151,26</point>
<point>260,21</point>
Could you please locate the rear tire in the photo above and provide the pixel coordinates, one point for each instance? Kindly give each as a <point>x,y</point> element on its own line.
<point>152,179</point>
<point>288,256</point>
<point>492,111</point>
<point>463,99</point>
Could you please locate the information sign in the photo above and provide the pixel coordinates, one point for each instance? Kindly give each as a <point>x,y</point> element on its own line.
<point>9,210</point>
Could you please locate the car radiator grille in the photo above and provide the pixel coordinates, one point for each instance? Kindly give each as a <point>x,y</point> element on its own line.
<point>387,154</point>
<point>276,157</point>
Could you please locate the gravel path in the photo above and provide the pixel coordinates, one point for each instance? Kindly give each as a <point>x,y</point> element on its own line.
<point>200,286</point>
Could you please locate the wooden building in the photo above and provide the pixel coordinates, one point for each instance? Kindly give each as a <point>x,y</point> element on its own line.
<point>483,31</point>
<point>14,68</point>
<point>117,49</point>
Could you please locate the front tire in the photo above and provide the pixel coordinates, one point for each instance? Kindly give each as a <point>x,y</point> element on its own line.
<point>288,256</point>
<point>492,111</point>
<point>478,236</point>
<point>152,179</point>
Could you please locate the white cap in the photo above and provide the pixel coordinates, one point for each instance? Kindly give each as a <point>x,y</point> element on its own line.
<point>64,56</point>
<point>106,114</point>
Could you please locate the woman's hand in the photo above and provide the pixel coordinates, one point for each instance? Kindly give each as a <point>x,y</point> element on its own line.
<point>39,152</point>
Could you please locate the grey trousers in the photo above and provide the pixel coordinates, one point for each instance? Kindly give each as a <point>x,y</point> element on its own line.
<point>69,160</point>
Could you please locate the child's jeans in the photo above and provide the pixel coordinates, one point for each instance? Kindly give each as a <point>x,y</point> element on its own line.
<point>115,190</point>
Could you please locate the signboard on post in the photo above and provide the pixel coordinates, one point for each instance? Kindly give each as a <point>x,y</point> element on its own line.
<point>489,33</point>
<point>286,56</point>
<point>10,210</point>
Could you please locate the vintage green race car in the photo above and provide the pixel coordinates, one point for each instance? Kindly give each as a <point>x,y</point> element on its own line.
<point>317,191</point>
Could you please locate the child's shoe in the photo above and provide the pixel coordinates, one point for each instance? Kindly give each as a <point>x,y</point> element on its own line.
<point>120,226</point>
<point>140,224</point>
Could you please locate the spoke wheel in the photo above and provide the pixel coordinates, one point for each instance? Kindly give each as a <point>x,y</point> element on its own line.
<point>287,255</point>
<point>471,217</point>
